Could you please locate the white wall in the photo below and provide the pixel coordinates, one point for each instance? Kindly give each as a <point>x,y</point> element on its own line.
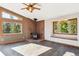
<point>49,30</point>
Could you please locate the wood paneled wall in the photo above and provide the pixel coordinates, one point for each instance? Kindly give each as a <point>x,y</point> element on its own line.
<point>28,26</point>
<point>40,29</point>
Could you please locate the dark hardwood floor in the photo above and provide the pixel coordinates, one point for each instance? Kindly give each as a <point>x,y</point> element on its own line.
<point>57,49</point>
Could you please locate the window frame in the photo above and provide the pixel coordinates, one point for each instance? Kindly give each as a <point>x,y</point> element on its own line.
<point>12,33</point>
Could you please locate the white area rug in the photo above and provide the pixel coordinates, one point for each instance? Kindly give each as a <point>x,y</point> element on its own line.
<point>31,49</point>
<point>69,54</point>
<point>1,54</point>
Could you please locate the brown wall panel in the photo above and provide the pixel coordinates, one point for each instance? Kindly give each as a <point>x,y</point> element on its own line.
<point>28,26</point>
<point>40,29</point>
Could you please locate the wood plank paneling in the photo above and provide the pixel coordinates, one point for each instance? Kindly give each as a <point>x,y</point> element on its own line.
<point>27,27</point>
<point>40,29</point>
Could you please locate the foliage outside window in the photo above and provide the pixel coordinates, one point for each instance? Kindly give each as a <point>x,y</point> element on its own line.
<point>12,27</point>
<point>65,27</point>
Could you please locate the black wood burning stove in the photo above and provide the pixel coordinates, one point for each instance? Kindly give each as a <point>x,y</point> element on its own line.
<point>35,34</point>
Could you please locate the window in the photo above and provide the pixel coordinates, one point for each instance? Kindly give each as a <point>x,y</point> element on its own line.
<point>12,27</point>
<point>5,15</point>
<point>65,27</point>
<point>14,17</point>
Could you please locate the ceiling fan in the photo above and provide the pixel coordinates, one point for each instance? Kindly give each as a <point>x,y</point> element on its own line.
<point>30,7</point>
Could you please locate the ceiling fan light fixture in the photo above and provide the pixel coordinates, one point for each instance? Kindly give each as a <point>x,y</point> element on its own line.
<point>31,7</point>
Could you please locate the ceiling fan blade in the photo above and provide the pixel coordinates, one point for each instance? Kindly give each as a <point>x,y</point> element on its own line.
<point>25,4</point>
<point>36,8</point>
<point>23,8</point>
<point>34,4</point>
<point>27,8</point>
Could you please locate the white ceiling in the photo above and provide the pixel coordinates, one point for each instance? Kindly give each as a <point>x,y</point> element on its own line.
<point>48,10</point>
